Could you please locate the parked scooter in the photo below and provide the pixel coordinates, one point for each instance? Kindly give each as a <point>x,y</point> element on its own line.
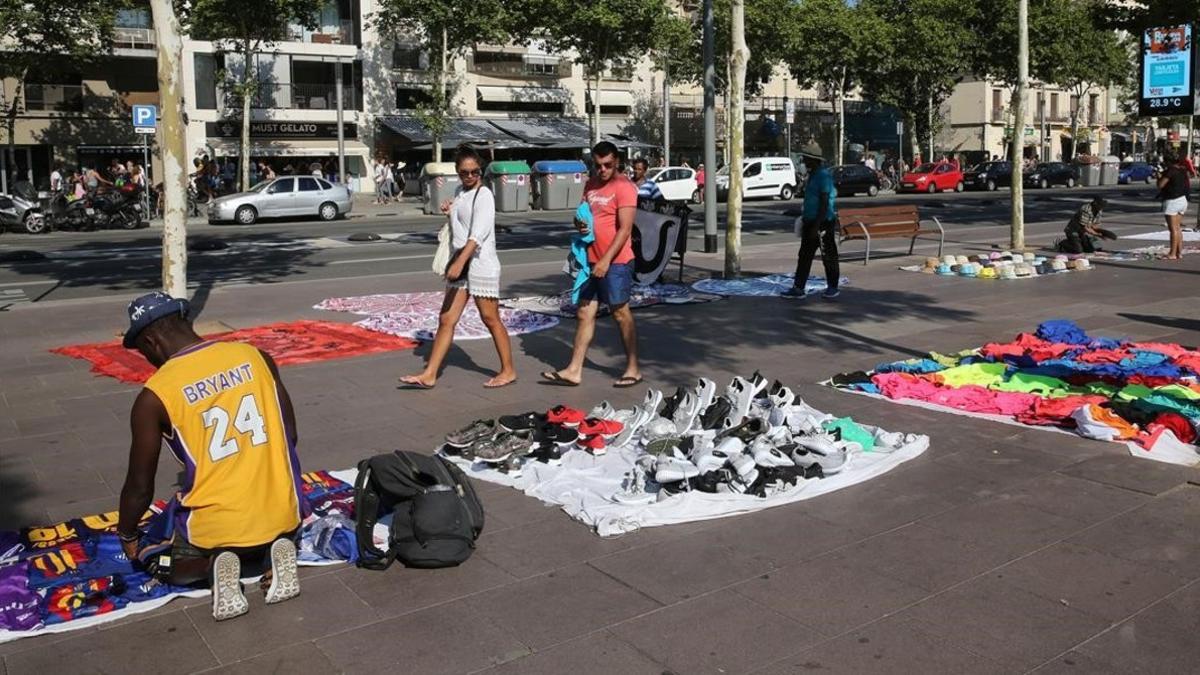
<point>20,210</point>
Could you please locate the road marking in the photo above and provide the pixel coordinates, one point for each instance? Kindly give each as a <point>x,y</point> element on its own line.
<point>27,283</point>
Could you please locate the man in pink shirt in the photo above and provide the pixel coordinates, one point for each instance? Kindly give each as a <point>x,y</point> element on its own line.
<point>613,201</point>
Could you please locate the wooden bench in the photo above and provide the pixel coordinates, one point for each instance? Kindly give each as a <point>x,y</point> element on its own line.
<point>886,222</point>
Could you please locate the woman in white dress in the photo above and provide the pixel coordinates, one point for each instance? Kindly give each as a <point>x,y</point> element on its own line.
<point>473,272</point>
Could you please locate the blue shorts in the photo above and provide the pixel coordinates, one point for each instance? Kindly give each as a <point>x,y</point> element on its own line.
<point>612,289</point>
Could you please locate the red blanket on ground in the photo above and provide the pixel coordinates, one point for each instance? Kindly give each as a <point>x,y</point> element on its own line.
<point>288,343</point>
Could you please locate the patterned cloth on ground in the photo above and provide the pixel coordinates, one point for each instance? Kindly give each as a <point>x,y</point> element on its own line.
<point>288,344</point>
<point>1144,393</point>
<point>415,316</point>
<point>640,296</point>
<point>74,574</point>
<point>765,286</point>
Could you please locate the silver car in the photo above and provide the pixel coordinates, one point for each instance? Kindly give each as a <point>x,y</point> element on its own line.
<point>282,197</point>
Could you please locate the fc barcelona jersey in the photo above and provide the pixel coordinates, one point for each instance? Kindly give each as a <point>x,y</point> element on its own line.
<point>241,484</point>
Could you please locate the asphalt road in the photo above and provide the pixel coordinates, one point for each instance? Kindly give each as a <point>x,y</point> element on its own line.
<point>70,265</point>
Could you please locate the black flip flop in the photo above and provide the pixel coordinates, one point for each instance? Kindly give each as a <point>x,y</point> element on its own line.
<point>627,382</point>
<point>552,377</point>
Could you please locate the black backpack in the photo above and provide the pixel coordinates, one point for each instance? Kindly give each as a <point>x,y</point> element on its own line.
<point>436,515</point>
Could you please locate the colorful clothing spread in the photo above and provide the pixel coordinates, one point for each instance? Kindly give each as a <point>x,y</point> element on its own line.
<point>76,569</point>
<point>1059,376</point>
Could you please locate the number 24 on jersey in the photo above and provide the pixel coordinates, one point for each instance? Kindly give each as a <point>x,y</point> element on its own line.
<point>246,421</point>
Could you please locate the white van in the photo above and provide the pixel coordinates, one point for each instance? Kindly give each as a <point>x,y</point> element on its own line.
<point>762,177</point>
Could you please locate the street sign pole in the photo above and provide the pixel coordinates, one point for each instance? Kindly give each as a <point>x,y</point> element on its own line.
<point>710,132</point>
<point>900,142</point>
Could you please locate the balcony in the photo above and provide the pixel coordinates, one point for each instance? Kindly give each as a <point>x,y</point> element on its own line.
<point>500,64</point>
<point>133,38</point>
<point>330,33</point>
<point>300,97</point>
<point>998,114</point>
<point>54,97</point>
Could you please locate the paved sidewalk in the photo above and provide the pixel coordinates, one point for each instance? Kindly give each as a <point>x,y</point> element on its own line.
<point>1002,549</point>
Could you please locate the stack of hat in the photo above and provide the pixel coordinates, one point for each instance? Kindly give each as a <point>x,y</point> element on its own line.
<point>931,265</point>
<point>1007,272</point>
<point>944,270</point>
<point>988,273</point>
<point>1058,265</point>
<point>1081,264</point>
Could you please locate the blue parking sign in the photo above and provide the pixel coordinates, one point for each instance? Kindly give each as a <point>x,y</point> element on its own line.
<point>145,117</point>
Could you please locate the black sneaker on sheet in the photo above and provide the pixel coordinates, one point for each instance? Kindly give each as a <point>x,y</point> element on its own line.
<point>714,416</point>
<point>555,434</point>
<point>672,403</point>
<point>522,422</point>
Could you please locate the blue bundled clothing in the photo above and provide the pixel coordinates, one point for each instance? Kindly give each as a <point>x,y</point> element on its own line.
<point>1062,331</point>
<point>578,259</point>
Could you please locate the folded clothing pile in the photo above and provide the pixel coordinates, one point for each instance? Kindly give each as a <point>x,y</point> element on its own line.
<point>754,439</point>
<point>1145,394</point>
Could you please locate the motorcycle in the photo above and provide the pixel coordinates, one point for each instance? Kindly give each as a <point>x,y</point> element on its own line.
<point>20,210</point>
<point>119,208</point>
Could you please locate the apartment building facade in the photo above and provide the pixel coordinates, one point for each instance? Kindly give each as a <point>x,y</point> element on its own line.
<point>980,121</point>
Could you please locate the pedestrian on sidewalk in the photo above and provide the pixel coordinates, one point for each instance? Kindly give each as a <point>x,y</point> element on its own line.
<point>473,272</point>
<point>613,201</point>
<point>380,177</point>
<point>818,228</point>
<point>1173,188</point>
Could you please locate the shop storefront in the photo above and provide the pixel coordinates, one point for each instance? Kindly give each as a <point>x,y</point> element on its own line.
<point>293,147</point>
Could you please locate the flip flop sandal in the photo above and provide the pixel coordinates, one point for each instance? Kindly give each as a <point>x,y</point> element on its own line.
<point>553,378</point>
<point>627,382</point>
<point>499,386</point>
<point>406,384</point>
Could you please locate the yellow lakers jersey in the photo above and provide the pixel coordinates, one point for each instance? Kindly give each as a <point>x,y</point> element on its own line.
<point>241,483</point>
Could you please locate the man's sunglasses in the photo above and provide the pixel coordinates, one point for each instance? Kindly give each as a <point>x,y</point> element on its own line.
<point>471,172</point>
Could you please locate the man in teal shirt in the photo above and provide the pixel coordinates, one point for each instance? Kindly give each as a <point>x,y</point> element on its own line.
<point>818,229</point>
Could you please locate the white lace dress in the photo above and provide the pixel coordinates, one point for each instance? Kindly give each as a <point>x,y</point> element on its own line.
<point>474,218</point>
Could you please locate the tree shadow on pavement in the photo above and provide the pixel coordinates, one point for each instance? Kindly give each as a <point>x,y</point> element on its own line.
<point>1168,321</point>
<point>723,334</point>
<point>137,265</point>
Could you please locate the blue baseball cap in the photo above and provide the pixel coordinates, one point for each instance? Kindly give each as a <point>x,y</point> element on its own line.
<point>149,308</point>
<point>584,214</point>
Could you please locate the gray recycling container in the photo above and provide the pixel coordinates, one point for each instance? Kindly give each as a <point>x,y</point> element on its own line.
<point>1110,170</point>
<point>1089,174</point>
<point>439,180</point>
<point>558,184</point>
<point>509,181</point>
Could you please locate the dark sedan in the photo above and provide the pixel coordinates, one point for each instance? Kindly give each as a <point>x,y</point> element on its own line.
<point>851,179</point>
<point>989,176</point>
<point>1051,173</point>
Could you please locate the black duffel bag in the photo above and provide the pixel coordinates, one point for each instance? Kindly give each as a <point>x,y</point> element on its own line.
<point>436,515</point>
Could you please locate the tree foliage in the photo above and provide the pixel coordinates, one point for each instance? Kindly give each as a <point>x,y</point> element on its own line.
<point>926,43</point>
<point>42,39</point>
<point>767,25</point>
<point>833,46</point>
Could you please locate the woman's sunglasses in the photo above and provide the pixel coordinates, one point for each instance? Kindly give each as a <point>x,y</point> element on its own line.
<point>471,172</point>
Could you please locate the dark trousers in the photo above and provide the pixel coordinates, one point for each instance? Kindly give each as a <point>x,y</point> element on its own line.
<point>816,235</point>
<point>1078,243</point>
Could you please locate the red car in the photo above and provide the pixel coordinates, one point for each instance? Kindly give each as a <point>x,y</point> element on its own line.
<point>931,177</point>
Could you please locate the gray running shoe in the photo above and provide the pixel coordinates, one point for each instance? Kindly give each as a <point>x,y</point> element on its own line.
<point>471,434</point>
<point>663,446</point>
<point>504,446</point>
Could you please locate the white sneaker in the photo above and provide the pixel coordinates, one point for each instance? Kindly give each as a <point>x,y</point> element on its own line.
<point>603,411</point>
<point>887,441</point>
<point>767,455</point>
<point>822,450</point>
<point>674,469</point>
<point>653,401</point>
<point>706,392</point>
<point>658,427</point>
<point>744,465</point>
<point>635,488</point>
<point>687,412</point>
<point>633,420</point>
<point>228,600</point>
<point>285,578</point>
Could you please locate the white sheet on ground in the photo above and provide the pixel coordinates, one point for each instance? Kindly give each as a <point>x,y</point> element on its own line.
<point>1163,235</point>
<point>584,485</point>
<point>1169,450</point>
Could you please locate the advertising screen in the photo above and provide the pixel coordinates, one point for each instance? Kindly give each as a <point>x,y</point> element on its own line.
<point>1167,72</point>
